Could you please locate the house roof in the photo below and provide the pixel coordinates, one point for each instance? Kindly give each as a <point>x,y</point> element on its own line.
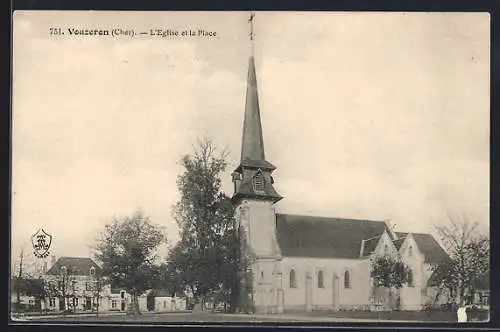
<point>311,236</point>
<point>160,293</point>
<point>78,265</point>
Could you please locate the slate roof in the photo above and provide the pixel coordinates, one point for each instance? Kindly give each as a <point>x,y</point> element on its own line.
<point>432,250</point>
<point>323,237</point>
<point>428,245</point>
<point>370,245</point>
<point>311,236</point>
<point>398,242</point>
<point>246,189</point>
<point>78,265</point>
<point>263,164</point>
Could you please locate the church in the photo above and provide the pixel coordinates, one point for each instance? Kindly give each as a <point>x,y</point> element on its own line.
<point>307,263</point>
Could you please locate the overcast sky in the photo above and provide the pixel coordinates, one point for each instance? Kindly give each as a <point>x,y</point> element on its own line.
<point>365,115</point>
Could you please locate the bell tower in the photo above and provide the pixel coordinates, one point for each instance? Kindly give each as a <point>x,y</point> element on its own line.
<point>254,198</point>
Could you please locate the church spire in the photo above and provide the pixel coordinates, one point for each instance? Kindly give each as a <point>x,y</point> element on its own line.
<point>252,178</point>
<point>253,141</point>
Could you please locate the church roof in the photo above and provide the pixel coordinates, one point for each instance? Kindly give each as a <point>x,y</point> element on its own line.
<point>370,245</point>
<point>398,242</point>
<point>322,237</point>
<point>311,236</point>
<point>77,266</point>
<point>427,244</point>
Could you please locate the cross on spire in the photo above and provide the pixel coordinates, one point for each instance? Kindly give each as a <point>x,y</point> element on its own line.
<point>250,20</point>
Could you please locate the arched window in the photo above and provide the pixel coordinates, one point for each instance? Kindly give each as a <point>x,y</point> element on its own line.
<point>386,250</point>
<point>410,278</point>
<point>293,279</point>
<point>410,251</point>
<point>347,279</point>
<point>258,182</point>
<point>92,271</point>
<point>320,279</point>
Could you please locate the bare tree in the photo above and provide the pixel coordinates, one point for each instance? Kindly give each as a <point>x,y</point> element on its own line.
<point>469,252</point>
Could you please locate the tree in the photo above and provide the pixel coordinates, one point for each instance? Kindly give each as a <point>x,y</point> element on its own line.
<point>469,251</point>
<point>127,251</point>
<point>390,273</point>
<point>204,258</point>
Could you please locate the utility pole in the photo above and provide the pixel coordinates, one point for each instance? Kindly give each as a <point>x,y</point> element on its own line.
<point>19,278</point>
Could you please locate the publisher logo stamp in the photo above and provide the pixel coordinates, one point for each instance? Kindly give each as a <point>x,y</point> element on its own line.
<point>41,241</point>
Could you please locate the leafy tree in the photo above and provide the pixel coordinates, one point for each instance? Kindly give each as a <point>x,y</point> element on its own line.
<point>389,272</point>
<point>469,252</point>
<point>204,258</point>
<point>127,251</point>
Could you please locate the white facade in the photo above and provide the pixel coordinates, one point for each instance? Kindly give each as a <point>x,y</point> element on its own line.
<point>169,304</point>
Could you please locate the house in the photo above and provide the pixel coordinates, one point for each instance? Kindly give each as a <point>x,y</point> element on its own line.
<point>305,263</point>
<point>160,300</point>
<point>72,284</point>
<point>76,284</point>
<point>482,294</point>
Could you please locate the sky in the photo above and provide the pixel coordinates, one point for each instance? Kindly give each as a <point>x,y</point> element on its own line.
<point>381,116</point>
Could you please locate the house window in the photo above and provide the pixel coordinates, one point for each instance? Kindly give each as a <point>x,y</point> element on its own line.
<point>92,271</point>
<point>410,278</point>
<point>31,302</point>
<point>262,274</point>
<point>164,304</point>
<point>52,302</point>
<point>320,279</point>
<point>76,301</point>
<point>258,182</point>
<point>293,281</point>
<point>347,279</point>
<point>113,304</point>
<point>122,294</point>
<point>410,249</point>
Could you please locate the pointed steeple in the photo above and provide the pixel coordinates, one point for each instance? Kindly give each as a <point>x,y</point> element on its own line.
<point>253,142</point>
<point>252,178</point>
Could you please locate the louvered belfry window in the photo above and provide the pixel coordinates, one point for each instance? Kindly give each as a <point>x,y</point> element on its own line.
<point>258,182</point>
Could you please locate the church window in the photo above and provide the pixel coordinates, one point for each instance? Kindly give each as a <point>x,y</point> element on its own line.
<point>386,250</point>
<point>92,271</point>
<point>262,274</point>
<point>320,279</point>
<point>410,278</point>
<point>258,182</point>
<point>293,279</point>
<point>347,279</point>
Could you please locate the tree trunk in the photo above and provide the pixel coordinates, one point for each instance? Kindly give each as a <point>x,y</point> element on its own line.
<point>134,306</point>
<point>390,299</point>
